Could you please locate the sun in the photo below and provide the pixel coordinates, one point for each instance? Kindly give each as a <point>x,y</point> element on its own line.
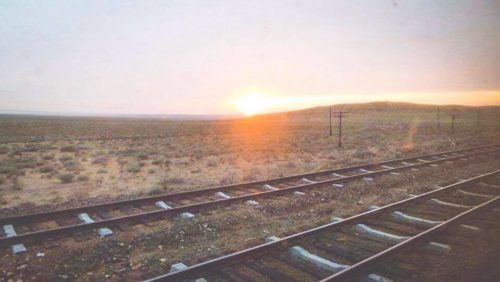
<point>252,104</point>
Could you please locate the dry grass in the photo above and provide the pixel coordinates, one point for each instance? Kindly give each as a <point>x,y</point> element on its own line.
<point>191,154</point>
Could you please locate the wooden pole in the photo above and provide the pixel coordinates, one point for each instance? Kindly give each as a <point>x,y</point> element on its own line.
<point>330,120</point>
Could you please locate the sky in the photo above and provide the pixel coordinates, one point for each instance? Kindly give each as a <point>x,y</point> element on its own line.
<point>216,57</point>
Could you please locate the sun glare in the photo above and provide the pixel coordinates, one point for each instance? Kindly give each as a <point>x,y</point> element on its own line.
<point>252,104</point>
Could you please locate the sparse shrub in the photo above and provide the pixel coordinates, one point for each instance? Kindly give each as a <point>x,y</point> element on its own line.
<point>4,150</point>
<point>82,178</point>
<point>142,156</point>
<point>68,149</point>
<point>65,158</point>
<point>157,162</point>
<point>46,169</point>
<point>16,166</point>
<point>48,157</point>
<point>16,185</point>
<point>2,180</point>
<point>70,165</point>
<point>227,180</point>
<point>100,160</point>
<point>156,190</point>
<point>102,171</point>
<point>211,163</point>
<point>151,170</point>
<point>66,177</point>
<point>133,167</point>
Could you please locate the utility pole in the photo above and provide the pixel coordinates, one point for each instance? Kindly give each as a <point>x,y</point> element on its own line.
<point>340,115</point>
<point>439,124</point>
<point>478,119</point>
<point>330,120</point>
<point>452,124</point>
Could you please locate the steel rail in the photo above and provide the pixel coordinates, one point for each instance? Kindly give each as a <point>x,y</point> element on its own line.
<point>27,217</point>
<point>211,265</point>
<point>192,207</point>
<point>358,268</point>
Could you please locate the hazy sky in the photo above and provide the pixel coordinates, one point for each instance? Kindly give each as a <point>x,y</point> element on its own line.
<point>197,56</point>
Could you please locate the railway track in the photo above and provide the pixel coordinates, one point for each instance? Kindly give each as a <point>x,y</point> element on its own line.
<point>350,249</point>
<point>103,217</point>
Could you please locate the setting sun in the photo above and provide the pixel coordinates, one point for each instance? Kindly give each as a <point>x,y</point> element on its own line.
<point>252,104</point>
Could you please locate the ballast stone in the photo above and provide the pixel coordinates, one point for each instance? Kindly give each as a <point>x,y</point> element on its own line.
<point>298,193</point>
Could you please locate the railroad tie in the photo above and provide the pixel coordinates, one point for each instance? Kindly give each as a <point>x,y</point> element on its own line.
<point>11,232</point>
<point>320,262</point>
<point>385,236</point>
<point>270,188</point>
<point>365,170</point>
<point>162,205</point>
<point>302,254</point>
<point>377,278</point>
<point>368,231</point>
<point>422,222</point>
<point>439,247</point>
<point>222,195</point>
<point>489,185</point>
<point>307,180</point>
<point>475,194</point>
<point>337,175</point>
<point>299,193</point>
<point>394,173</point>
<point>252,203</point>
<point>103,232</point>
<point>180,266</point>
<point>387,167</point>
<point>407,163</point>
<point>367,178</point>
<point>448,204</point>
<point>338,185</point>
<point>336,219</point>
<point>414,220</point>
<point>372,208</point>
<point>470,228</point>
<point>186,215</point>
